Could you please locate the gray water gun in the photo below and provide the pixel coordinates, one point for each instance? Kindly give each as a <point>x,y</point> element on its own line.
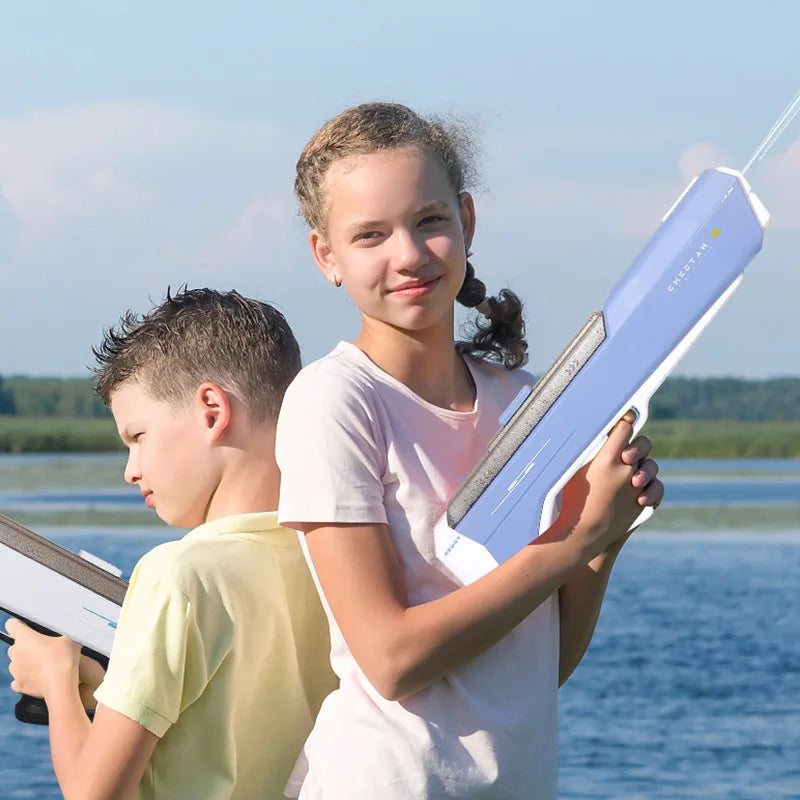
<point>57,592</point>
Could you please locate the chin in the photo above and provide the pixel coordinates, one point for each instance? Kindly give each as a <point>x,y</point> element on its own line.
<point>172,519</point>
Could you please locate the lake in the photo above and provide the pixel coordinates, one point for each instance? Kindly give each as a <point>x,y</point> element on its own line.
<point>690,689</point>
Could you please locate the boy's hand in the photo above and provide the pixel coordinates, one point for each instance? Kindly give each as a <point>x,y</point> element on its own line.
<point>39,661</point>
<point>91,675</point>
<point>602,500</point>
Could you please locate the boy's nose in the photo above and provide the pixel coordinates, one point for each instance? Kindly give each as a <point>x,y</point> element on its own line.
<point>132,473</point>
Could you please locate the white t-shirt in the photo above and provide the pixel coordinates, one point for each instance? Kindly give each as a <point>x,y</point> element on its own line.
<point>355,445</point>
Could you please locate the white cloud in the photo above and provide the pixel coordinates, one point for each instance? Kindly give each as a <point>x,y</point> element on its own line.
<point>254,233</point>
<point>122,169</point>
<point>102,207</point>
<point>779,175</point>
<point>698,157</point>
<point>776,180</point>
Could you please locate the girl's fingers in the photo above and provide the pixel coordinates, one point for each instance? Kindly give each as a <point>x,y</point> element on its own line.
<point>639,449</point>
<point>618,438</point>
<point>645,472</point>
<point>652,495</point>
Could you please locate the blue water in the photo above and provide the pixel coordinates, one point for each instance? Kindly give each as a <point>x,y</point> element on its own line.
<point>750,482</point>
<point>690,689</point>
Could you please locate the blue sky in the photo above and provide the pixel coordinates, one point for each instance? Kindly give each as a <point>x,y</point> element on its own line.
<point>152,143</point>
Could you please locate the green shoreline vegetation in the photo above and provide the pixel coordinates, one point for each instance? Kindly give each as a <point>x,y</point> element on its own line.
<point>681,519</point>
<point>673,438</point>
<point>58,435</point>
<point>689,417</point>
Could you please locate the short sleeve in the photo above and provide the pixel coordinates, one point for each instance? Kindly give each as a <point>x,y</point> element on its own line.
<point>329,450</point>
<point>157,665</point>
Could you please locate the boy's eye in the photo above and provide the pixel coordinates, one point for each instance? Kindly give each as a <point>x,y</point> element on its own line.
<point>366,236</point>
<point>431,219</point>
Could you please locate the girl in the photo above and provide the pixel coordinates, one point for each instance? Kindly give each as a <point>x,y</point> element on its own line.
<point>446,690</point>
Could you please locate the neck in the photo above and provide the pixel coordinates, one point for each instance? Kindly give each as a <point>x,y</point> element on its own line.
<point>424,360</point>
<point>250,480</point>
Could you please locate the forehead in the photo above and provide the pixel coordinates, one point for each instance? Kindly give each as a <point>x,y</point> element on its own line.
<point>133,399</point>
<point>379,183</point>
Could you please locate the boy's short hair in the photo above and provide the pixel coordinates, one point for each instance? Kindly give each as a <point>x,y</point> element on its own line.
<point>197,335</point>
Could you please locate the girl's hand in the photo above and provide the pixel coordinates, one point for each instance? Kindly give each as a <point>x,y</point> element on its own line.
<point>636,455</point>
<point>37,661</point>
<point>602,500</point>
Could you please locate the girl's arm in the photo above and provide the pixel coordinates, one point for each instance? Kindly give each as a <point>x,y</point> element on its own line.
<point>104,760</point>
<point>581,596</point>
<point>579,601</point>
<point>403,648</point>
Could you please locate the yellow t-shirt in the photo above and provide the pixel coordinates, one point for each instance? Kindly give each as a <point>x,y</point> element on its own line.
<point>222,651</point>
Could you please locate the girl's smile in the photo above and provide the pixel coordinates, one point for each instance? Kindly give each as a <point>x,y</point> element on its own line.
<point>396,236</point>
<point>415,289</point>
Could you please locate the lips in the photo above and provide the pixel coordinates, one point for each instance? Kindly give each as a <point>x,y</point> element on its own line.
<point>148,499</point>
<point>416,288</point>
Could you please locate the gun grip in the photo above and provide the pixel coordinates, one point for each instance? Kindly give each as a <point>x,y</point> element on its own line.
<point>32,710</point>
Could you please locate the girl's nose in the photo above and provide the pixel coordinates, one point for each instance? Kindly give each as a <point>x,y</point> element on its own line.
<point>411,252</point>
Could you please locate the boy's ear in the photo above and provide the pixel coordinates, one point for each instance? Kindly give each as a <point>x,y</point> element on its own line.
<point>213,403</point>
<point>324,257</point>
<point>466,207</point>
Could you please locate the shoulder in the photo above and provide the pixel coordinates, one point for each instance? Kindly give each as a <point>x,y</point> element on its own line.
<point>498,382</point>
<point>339,385</point>
<point>345,369</point>
<point>173,569</point>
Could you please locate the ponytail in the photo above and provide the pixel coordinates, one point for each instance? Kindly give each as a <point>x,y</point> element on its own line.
<point>500,335</point>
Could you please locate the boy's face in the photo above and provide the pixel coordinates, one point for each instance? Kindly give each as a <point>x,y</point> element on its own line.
<point>168,454</point>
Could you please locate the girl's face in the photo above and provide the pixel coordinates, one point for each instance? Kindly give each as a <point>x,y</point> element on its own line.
<point>396,237</point>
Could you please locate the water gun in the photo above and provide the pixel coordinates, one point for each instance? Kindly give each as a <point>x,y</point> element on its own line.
<point>57,592</point>
<point>673,289</point>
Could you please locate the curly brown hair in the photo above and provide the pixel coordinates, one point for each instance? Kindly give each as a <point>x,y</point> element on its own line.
<point>372,127</point>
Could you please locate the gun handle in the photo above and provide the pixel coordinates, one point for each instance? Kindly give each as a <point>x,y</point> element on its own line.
<point>33,710</point>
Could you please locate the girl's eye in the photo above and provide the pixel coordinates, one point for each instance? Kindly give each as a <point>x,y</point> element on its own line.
<point>431,219</point>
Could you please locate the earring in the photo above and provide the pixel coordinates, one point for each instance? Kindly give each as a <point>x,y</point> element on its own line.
<point>337,282</point>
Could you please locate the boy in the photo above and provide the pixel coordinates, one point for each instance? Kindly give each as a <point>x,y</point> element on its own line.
<point>220,660</point>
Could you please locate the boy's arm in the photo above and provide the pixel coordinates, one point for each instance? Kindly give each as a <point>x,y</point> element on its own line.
<point>92,761</point>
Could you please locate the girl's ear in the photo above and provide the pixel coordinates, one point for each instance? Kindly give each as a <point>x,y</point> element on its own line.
<point>466,208</point>
<point>214,407</point>
<point>324,257</point>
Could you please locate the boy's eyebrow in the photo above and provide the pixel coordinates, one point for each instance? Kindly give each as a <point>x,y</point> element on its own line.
<point>124,433</point>
<point>362,225</point>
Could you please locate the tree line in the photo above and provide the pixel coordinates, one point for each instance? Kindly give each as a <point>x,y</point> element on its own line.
<point>771,400</point>
<point>50,397</point>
